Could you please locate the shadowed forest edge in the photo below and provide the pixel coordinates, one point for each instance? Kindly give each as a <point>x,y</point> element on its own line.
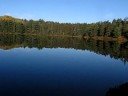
<point>115,30</point>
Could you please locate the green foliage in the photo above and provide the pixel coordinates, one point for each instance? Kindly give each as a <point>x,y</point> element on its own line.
<point>115,28</point>
<point>116,32</point>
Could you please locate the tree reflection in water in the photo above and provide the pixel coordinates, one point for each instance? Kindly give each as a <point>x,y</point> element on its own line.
<point>121,90</point>
<point>113,49</point>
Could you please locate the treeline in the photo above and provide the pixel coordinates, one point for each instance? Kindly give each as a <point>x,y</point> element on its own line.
<point>116,28</point>
<point>111,48</point>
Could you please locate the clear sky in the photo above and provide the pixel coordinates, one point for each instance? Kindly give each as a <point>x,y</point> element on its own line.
<point>66,10</point>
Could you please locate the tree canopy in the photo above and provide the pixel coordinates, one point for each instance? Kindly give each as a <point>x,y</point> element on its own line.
<point>116,28</point>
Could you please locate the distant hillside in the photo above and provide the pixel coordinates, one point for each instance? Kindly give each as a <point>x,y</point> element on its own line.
<point>10,18</point>
<point>115,29</point>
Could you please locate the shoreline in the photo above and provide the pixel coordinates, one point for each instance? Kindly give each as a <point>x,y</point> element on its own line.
<point>120,39</point>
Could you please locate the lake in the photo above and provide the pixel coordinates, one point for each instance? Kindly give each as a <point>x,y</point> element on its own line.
<point>60,66</point>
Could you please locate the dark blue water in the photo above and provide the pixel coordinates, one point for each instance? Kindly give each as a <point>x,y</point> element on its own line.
<point>58,72</point>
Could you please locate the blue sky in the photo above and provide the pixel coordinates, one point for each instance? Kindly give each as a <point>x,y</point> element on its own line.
<point>65,10</point>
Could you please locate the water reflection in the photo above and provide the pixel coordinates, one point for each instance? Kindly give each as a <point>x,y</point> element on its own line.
<point>57,66</point>
<point>114,49</point>
<point>121,90</point>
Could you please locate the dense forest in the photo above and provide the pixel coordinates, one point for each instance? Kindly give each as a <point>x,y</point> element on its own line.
<point>107,48</point>
<point>116,28</point>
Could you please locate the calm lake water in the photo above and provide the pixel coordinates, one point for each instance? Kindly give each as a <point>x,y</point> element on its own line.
<point>40,66</point>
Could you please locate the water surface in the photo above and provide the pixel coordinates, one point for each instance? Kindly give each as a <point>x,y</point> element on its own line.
<point>40,66</point>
